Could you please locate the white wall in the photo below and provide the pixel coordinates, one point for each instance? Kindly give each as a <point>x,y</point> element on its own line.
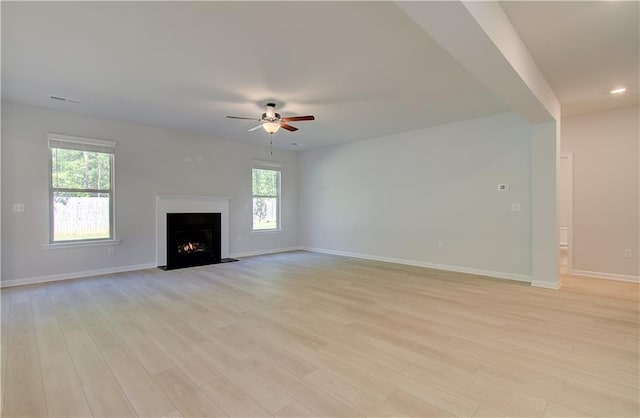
<point>564,192</point>
<point>399,196</point>
<point>149,162</point>
<point>605,190</point>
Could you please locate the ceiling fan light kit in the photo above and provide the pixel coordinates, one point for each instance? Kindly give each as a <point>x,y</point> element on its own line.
<point>271,127</point>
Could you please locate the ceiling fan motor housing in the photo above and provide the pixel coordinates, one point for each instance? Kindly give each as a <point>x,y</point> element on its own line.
<point>270,110</point>
<point>276,117</point>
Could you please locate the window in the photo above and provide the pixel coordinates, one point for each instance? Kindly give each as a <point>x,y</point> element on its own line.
<point>81,189</point>
<point>266,195</point>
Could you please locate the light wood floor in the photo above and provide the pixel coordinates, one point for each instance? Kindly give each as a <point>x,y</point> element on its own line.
<point>301,334</point>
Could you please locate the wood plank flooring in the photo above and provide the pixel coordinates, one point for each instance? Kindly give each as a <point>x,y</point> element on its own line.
<point>308,335</point>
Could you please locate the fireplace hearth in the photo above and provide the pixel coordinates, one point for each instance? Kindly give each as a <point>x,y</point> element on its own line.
<point>193,239</point>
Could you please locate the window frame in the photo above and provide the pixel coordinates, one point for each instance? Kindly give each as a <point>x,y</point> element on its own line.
<point>271,166</point>
<point>82,144</point>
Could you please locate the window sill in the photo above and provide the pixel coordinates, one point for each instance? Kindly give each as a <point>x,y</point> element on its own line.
<point>76,244</point>
<point>265,231</point>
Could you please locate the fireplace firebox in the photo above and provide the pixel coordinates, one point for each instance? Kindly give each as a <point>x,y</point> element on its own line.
<point>193,239</point>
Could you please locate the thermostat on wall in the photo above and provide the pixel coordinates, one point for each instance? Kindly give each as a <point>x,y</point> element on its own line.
<point>503,187</point>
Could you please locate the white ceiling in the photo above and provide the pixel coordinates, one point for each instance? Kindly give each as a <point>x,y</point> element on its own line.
<point>364,69</point>
<point>584,49</point>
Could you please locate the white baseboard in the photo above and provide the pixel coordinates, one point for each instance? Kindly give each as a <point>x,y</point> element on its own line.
<point>99,272</point>
<point>263,252</point>
<point>546,284</point>
<point>458,269</point>
<point>74,275</point>
<point>608,276</point>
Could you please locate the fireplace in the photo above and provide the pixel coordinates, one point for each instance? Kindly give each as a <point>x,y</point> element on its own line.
<point>171,204</point>
<point>193,239</point>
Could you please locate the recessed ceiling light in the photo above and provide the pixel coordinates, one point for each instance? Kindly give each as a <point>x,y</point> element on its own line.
<point>618,90</point>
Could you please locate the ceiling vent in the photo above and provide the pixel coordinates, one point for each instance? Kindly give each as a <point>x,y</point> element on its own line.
<point>65,99</point>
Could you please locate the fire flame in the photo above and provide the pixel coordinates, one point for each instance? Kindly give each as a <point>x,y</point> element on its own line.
<point>189,247</point>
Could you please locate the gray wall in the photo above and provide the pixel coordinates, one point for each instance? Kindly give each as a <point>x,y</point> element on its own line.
<point>149,162</point>
<point>398,196</point>
<point>394,197</point>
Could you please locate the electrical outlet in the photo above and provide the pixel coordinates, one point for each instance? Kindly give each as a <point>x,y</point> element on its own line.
<point>503,187</point>
<point>18,207</point>
<point>628,253</point>
<point>441,245</point>
<point>515,207</point>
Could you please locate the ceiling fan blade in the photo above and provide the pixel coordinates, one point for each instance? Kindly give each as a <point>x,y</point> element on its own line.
<point>255,128</point>
<point>298,118</point>
<point>288,127</point>
<point>241,117</point>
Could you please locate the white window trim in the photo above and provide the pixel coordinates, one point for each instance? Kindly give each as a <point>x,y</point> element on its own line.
<point>80,140</point>
<point>83,243</point>
<point>267,165</point>
<point>100,143</point>
<point>274,166</point>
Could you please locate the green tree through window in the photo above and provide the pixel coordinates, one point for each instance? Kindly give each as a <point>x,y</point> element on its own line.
<point>81,189</point>
<point>266,198</point>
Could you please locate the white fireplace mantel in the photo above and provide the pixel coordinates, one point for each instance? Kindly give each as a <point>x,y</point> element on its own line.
<point>189,204</point>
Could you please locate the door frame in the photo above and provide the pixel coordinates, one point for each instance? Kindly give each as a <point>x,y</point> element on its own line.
<point>569,157</point>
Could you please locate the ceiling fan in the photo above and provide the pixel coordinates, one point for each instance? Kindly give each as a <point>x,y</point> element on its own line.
<point>272,121</point>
